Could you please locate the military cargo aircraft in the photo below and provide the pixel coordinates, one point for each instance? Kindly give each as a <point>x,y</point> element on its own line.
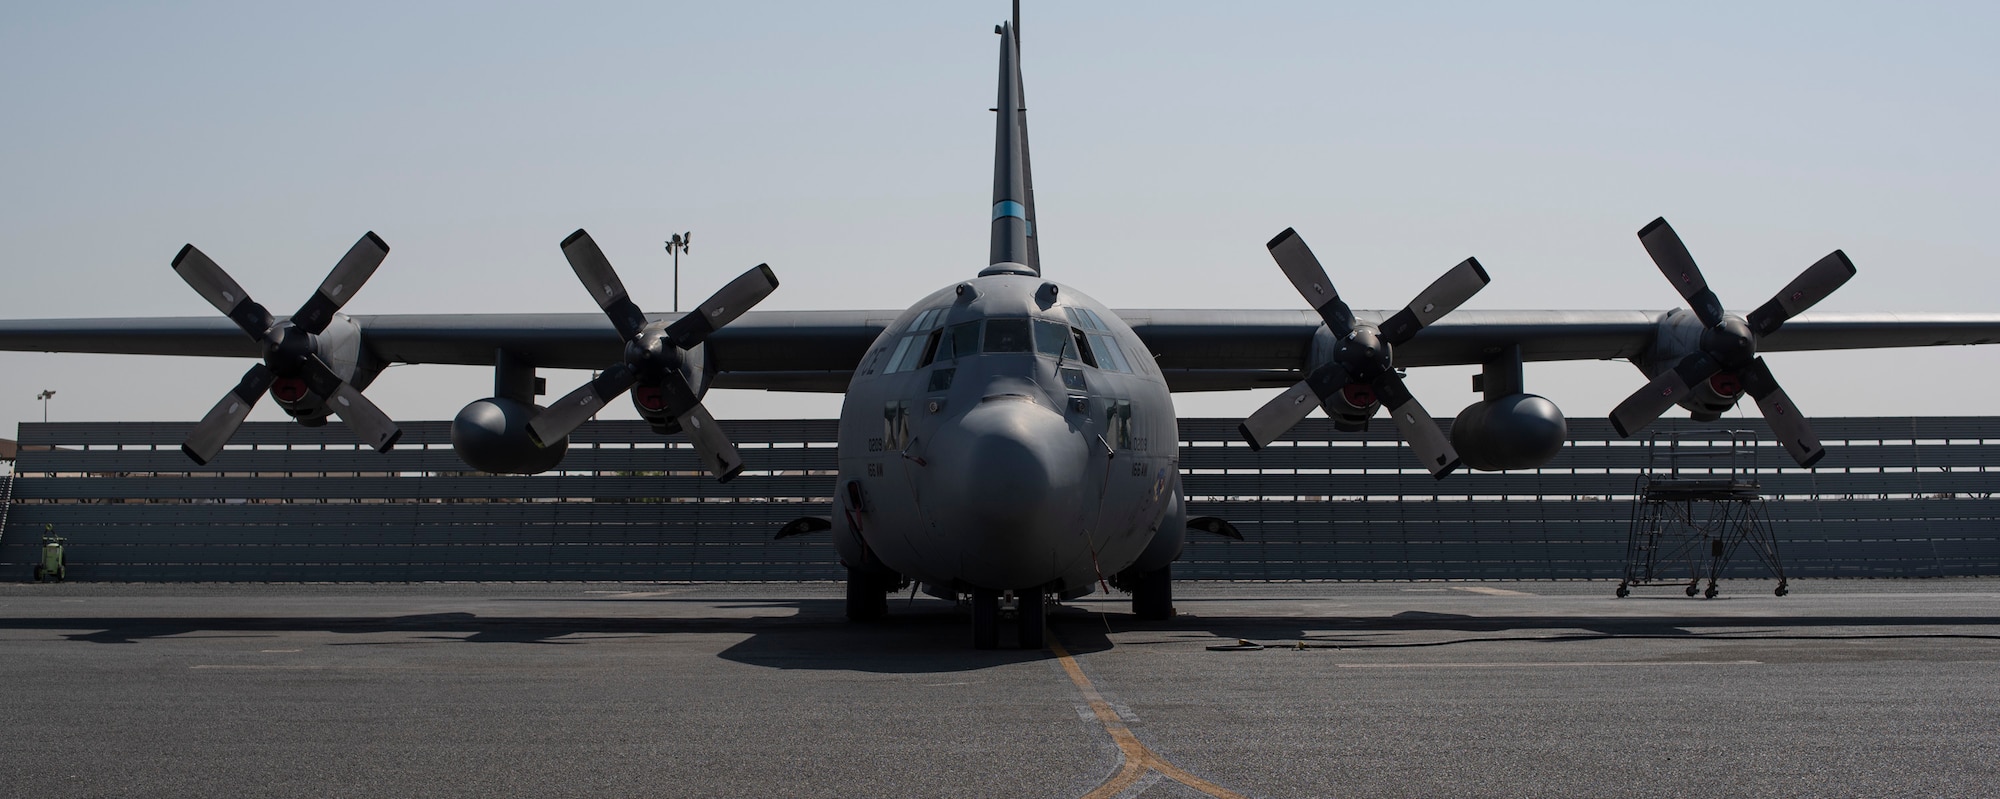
<point>1006,437</point>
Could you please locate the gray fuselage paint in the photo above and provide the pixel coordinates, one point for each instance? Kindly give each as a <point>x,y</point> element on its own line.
<point>1010,478</point>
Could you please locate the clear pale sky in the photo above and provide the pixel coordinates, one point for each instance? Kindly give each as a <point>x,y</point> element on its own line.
<point>849,145</point>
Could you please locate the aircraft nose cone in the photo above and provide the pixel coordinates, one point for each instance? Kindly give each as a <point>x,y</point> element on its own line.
<point>1011,473</point>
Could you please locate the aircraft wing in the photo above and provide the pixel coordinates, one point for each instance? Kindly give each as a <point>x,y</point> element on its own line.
<point>775,350</point>
<point>1197,350</point>
<point>1222,350</point>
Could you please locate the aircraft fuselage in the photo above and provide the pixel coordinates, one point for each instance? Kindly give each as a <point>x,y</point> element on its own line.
<point>1007,433</point>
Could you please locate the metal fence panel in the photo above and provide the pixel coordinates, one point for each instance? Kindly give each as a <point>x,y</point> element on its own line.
<point>1894,497</point>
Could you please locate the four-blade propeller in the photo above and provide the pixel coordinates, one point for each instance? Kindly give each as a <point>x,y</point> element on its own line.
<point>1728,345</point>
<point>1362,369</point>
<point>291,358</point>
<point>653,356</point>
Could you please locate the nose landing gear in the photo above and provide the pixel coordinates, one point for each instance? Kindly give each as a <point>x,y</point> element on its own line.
<point>1030,618</point>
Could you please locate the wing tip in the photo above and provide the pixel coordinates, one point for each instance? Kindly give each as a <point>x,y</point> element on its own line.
<point>573,237</point>
<point>1657,223</point>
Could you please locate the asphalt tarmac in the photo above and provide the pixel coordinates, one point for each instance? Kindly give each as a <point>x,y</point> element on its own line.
<point>1843,688</point>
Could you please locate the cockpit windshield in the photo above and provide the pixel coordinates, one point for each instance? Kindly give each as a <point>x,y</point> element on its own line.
<point>1087,341</point>
<point>1008,335</point>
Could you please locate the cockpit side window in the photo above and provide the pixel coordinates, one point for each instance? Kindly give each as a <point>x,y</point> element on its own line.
<point>1108,355</point>
<point>1077,340</point>
<point>1053,338</point>
<point>927,320</point>
<point>908,352</point>
<point>932,349</point>
<point>1008,335</point>
<point>964,339</point>
<point>1086,319</point>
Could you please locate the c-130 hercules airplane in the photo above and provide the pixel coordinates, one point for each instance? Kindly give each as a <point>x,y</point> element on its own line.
<point>1006,435</point>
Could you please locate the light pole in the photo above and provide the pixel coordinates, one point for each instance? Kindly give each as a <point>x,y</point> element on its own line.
<point>44,397</point>
<point>677,245</point>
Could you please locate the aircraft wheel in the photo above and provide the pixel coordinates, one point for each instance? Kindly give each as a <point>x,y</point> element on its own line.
<point>866,598</point>
<point>1693,589</point>
<point>1623,591</point>
<point>1033,618</point>
<point>1782,589</point>
<point>1711,592</point>
<point>985,619</point>
<point>1153,594</point>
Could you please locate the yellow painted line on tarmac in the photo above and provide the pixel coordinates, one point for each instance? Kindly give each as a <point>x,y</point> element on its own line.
<point>1135,758</point>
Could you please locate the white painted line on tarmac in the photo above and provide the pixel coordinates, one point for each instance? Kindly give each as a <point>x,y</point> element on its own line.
<point>1480,589</point>
<point>1554,664</point>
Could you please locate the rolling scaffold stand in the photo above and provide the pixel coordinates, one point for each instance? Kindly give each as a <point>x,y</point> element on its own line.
<point>1692,523</point>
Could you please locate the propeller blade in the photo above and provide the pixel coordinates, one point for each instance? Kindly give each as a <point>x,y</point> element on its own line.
<point>595,271</point>
<point>1279,416</point>
<point>1299,265</point>
<point>374,427</point>
<point>739,296</point>
<point>1786,422</point>
<point>1419,430</point>
<point>346,278</point>
<point>1806,290</point>
<point>1442,297</point>
<point>221,291</point>
<point>717,454</point>
<point>1659,394</point>
<point>567,414</point>
<point>1674,261</point>
<point>213,431</point>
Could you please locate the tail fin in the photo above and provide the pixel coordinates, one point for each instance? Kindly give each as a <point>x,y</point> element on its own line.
<point>1012,250</point>
<point>1027,164</point>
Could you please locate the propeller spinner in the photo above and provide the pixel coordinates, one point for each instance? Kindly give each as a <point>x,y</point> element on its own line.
<point>653,355</point>
<point>292,365</point>
<point>1728,347</point>
<point>1362,369</point>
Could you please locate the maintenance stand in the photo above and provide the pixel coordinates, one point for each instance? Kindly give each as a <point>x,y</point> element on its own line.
<point>1692,522</point>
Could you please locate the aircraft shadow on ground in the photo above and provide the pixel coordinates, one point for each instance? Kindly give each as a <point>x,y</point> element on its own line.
<point>933,637</point>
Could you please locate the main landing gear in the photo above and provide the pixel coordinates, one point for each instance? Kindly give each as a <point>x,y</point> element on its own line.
<point>868,589</point>
<point>1031,616</point>
<point>1152,593</point>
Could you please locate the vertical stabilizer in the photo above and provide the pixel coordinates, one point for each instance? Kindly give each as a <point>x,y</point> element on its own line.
<point>1027,163</point>
<point>1011,250</point>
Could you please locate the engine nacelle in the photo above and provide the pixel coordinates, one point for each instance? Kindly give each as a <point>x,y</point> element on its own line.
<point>1354,404</point>
<point>339,347</point>
<point>1680,334</point>
<point>653,400</point>
<point>491,435</point>
<point>1518,431</point>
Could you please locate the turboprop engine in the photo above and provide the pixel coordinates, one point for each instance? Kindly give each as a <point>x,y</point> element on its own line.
<point>312,362</point>
<point>492,434</point>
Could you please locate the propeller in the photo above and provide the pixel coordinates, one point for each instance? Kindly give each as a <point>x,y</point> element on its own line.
<point>1362,369</point>
<point>1727,353</point>
<point>653,356</point>
<point>292,366</point>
